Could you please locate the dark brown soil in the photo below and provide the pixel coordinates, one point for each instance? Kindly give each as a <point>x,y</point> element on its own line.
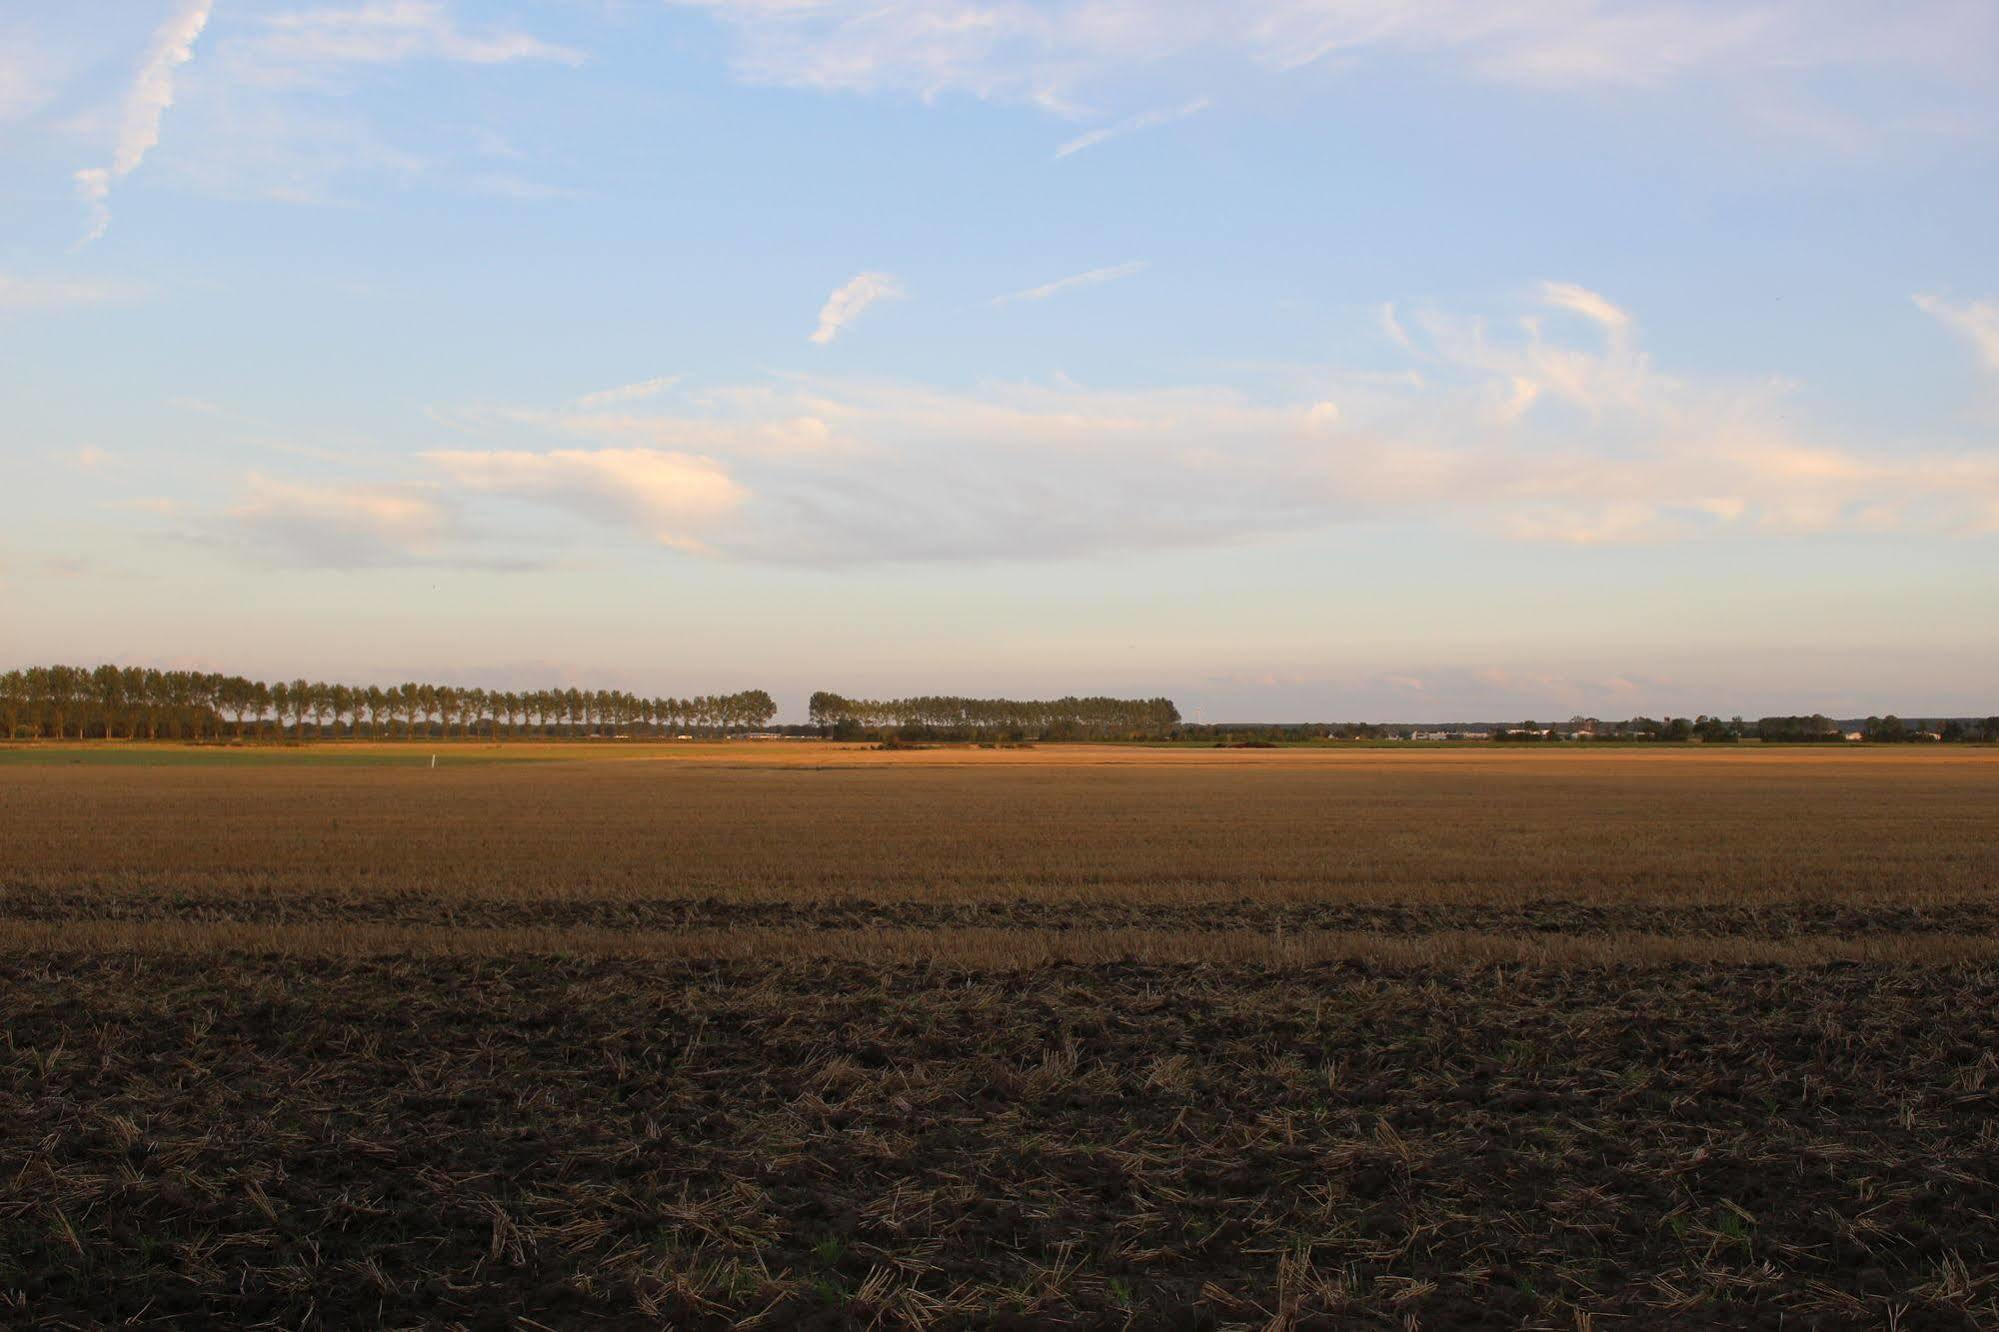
<point>460,1142</point>
<point>1787,919</point>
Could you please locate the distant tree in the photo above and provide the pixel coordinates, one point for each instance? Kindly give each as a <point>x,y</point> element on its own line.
<point>1816,728</point>
<point>1715,731</point>
<point>37,691</point>
<point>141,701</point>
<point>758,708</point>
<point>302,704</point>
<point>66,694</point>
<point>14,702</point>
<point>236,697</point>
<point>207,705</point>
<point>107,695</point>
<point>1885,730</point>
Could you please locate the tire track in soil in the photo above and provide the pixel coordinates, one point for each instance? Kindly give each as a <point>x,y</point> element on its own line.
<point>1553,916</point>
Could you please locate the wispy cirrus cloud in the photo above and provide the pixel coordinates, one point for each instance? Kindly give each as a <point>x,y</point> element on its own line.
<point>738,422</point>
<point>145,106</point>
<point>1052,53</point>
<point>1144,120</point>
<point>1588,304</point>
<point>54,293</point>
<point>1977,322</point>
<point>280,111</point>
<point>849,299</point>
<point>387,32</point>
<point>624,393</point>
<point>1094,277</point>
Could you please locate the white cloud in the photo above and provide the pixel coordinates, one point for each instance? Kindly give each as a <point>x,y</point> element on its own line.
<point>1392,326</point>
<point>746,422</point>
<point>18,293</point>
<point>1583,301</point>
<point>154,504</point>
<point>24,75</point>
<point>1518,434</point>
<point>1090,279</point>
<point>672,497</point>
<point>847,302</point>
<point>611,397</point>
<point>146,104</point>
<point>1977,322</point>
<point>1594,447</point>
<point>342,526</point>
<point>1513,377</point>
<point>1144,120</point>
<point>390,31</point>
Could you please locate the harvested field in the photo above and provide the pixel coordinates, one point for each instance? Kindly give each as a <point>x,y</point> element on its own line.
<point>782,1035</point>
<point>1118,827</point>
<point>581,1142</point>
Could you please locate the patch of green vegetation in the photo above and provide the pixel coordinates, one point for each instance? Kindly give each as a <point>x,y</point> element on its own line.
<point>1735,1228</point>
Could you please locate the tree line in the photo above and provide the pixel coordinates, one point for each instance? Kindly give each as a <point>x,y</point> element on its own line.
<point>1793,730</point>
<point>1889,730</point>
<point>131,702</point>
<point>946,716</point>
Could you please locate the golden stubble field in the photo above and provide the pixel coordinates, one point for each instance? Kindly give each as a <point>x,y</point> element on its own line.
<point>1069,851</point>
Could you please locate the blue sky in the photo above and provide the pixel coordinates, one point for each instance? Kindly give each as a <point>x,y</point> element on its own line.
<point>1296,358</point>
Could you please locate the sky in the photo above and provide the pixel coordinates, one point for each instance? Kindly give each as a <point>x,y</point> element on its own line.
<point>1296,359</point>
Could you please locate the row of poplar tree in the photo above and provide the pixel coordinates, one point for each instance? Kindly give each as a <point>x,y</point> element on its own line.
<point>130,702</point>
<point>1094,718</point>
